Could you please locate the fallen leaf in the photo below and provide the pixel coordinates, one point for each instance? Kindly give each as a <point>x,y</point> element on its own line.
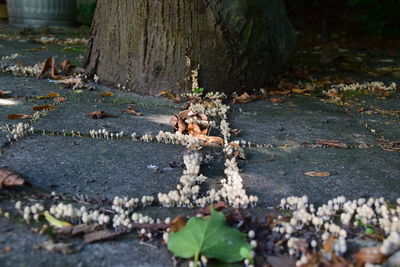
<point>317,174</point>
<point>17,116</point>
<point>50,64</point>
<point>51,95</point>
<point>184,114</point>
<point>131,110</point>
<point>170,96</point>
<point>246,98</point>
<point>214,140</point>
<point>100,114</point>
<point>194,129</point>
<point>331,143</point>
<point>55,222</point>
<point>299,91</point>
<point>10,178</point>
<point>177,224</point>
<point>67,66</point>
<point>371,255</point>
<point>210,237</point>
<point>63,248</point>
<point>7,249</point>
<point>276,100</point>
<point>217,206</point>
<point>60,99</point>
<point>235,132</point>
<point>75,82</point>
<point>101,236</point>
<point>281,92</point>
<point>38,108</point>
<point>328,245</point>
<point>106,94</point>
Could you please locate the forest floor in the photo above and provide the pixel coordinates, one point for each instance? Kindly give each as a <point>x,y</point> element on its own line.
<point>349,140</point>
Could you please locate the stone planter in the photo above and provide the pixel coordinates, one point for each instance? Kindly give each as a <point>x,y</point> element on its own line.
<point>37,13</point>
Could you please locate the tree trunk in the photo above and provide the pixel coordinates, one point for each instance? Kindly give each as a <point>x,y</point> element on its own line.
<point>153,45</point>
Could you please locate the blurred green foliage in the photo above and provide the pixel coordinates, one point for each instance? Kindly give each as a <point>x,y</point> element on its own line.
<point>376,16</point>
<point>373,17</point>
<point>86,12</point>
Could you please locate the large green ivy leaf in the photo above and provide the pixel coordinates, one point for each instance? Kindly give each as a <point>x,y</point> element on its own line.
<point>210,237</point>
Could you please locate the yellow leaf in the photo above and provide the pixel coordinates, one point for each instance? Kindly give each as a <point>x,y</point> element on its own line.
<point>298,91</point>
<point>167,94</point>
<point>51,95</point>
<point>55,222</point>
<point>317,174</point>
<point>105,94</point>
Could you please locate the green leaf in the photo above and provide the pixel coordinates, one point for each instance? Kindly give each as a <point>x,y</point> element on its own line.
<point>210,237</point>
<point>369,231</point>
<point>198,90</point>
<point>55,222</point>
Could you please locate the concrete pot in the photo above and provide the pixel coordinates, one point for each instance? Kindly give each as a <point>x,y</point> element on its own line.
<point>37,13</point>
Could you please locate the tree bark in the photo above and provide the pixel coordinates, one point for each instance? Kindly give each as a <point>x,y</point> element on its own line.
<point>153,45</point>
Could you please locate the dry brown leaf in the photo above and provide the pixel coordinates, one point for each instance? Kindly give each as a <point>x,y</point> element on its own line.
<point>299,91</point>
<point>246,98</point>
<point>235,132</point>
<point>334,94</point>
<point>9,178</point>
<point>317,174</point>
<point>100,114</point>
<point>182,127</point>
<point>50,64</point>
<point>7,249</point>
<point>100,236</point>
<point>67,67</point>
<point>60,99</point>
<point>131,110</point>
<point>184,114</point>
<point>331,143</point>
<point>106,94</point>
<point>213,140</point>
<point>17,116</point>
<point>328,245</point>
<point>194,129</point>
<point>177,224</point>
<point>234,144</point>
<point>280,92</point>
<point>276,100</point>
<point>217,206</point>
<point>38,108</point>
<point>369,255</point>
<point>72,81</point>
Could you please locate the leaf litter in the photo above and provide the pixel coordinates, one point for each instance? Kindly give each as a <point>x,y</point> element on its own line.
<point>10,178</point>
